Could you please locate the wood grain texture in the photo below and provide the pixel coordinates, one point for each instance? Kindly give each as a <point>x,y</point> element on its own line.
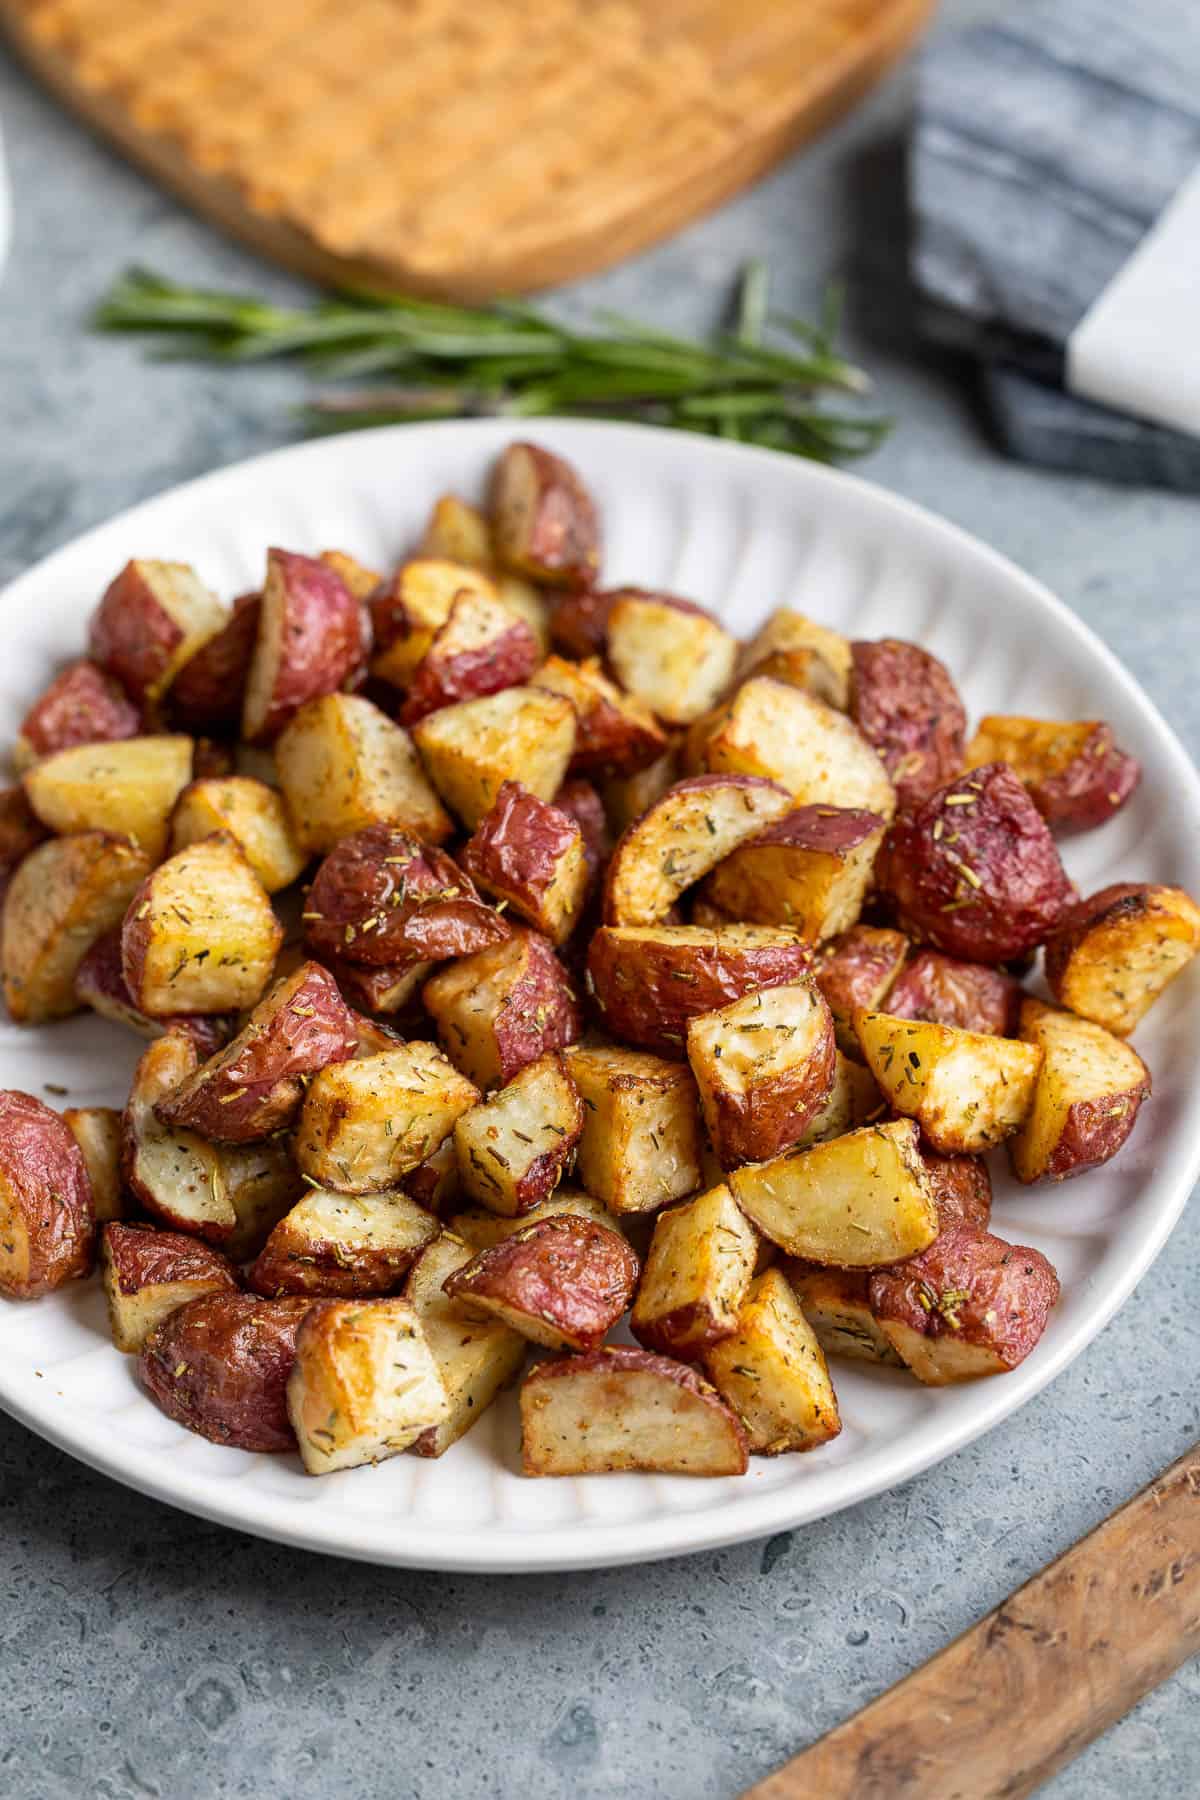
<point>997,1712</point>
<point>421,145</point>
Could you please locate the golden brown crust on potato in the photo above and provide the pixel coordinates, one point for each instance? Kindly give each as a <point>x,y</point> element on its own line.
<point>1085,1104</point>
<point>764,1067</point>
<point>903,701</point>
<point>410,608</point>
<point>199,935</point>
<point>686,833</point>
<point>810,870</point>
<point>795,650</point>
<point>343,1246</point>
<point>562,1281</point>
<point>837,1304</point>
<point>127,788</point>
<point>968,1090</point>
<point>769,728</point>
<point>470,750</point>
<point>701,1261</point>
<point>483,647</point>
<point>504,1008</point>
<point>641,1142</point>
<point>669,654</point>
<point>1076,774</point>
<point>364,1384</point>
<point>543,520</point>
<point>344,766</point>
<point>149,1274</point>
<point>531,856</point>
<point>513,1148</point>
<point>64,896</point>
<point>151,619</point>
<point>856,970</point>
<point>252,814</point>
<point>365,1123</point>
<point>220,1366</point>
<point>382,898</point>
<point>771,1370</point>
<point>47,1221</point>
<point>1114,953</point>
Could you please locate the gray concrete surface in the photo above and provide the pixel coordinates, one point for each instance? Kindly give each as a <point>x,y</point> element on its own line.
<point>143,1653</point>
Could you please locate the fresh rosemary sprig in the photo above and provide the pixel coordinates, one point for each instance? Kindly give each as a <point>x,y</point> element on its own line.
<point>427,360</point>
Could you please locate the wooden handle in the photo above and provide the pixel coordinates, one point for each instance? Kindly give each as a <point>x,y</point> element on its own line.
<point>1024,1690</point>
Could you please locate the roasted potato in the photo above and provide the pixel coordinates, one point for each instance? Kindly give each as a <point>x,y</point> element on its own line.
<point>458,532</point>
<point>435,1183</point>
<point>100,983</point>
<point>220,1366</point>
<point>364,1384</point>
<point>409,610</point>
<point>543,521</point>
<point>365,1123</point>
<point>503,1008</point>
<point>641,1131</point>
<point>686,833</point>
<point>253,1087</point>
<point>20,832</point>
<point>764,1067</point>
<point>837,1304</point>
<point>561,1281</point>
<point>210,689</point>
<point>127,788</point>
<point>343,1246</point>
<point>974,870</point>
<point>627,797</point>
<point>480,1228</point>
<point>809,869</point>
<point>783,733</point>
<point>1076,774</point>
<point>313,638</point>
<point>483,646</point>
<point>856,970</point>
<point>176,1176</point>
<point>47,1218</point>
<point>531,856</point>
<point>149,1274</point>
<point>962,1188</point>
<point>393,989</point>
<point>945,991</point>
<point>524,734</point>
<point>649,980</point>
<point>1089,1090</point>
<point>853,1100</point>
<point>579,621</point>
<point>383,899</point>
<point>249,812</point>
<point>262,1184</point>
<point>617,1408</point>
<point>97,1131</point>
<point>476,1356</point>
<point>771,1370</point>
<point>1114,953</point>
<point>63,897</point>
<point>152,618</point>
<point>669,653</point>
<point>904,702</point>
<point>199,935</point>
<point>361,581</point>
<point>615,734</point>
<point>514,1148</point>
<point>345,767</point>
<point>968,1090</point>
<point>857,1201</point>
<point>970,1305</point>
<point>581,802</point>
<point>792,649</point>
<point>701,1261</point>
<point>83,705</point>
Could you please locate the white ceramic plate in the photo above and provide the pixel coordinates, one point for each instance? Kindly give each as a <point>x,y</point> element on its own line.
<point>744,531</point>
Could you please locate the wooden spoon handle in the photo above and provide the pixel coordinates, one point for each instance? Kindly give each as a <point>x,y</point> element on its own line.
<point>993,1715</point>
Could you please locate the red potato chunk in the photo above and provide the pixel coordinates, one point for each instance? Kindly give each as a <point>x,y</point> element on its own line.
<point>856,971</point>
<point>362,581</point>
<point>531,856</point>
<point>968,1306</point>
<point>209,691</point>
<point>771,1370</point>
<point>391,989</point>
<point>689,831</point>
<point>1077,775</point>
<point>175,1175</point>
<point>254,1087</point>
<point>967,1090</point>
<point>580,801</point>
<point>904,702</point>
<point>364,1386</point>
<point>499,1010</point>
<point>562,1282</point>
<point>962,1188</point>
<point>366,1122</point>
<point>670,654</point>
<point>458,532</point>
<point>409,609</point>
<point>771,729</point>
<point>579,622</point>
<point>97,1131</point>
<point>149,1274</point>
<point>764,1067</point>
<point>514,1148</point>
<point>648,981</point>
<point>47,1222</point>
<point>152,618</point>
<point>434,1183</point>
<point>1089,1090</point>
<point>254,816</point>
<point>313,638</point>
<point>343,1246</point>
<point>483,647</point>
<point>949,992</point>
<point>641,1144</point>
<point>128,788</point>
<point>20,832</point>
<point>475,1356</point>
<point>615,734</point>
<point>383,899</point>
<point>627,797</point>
<point>199,935</point>
<point>974,870</point>
<point>701,1261</point>
<point>83,705</point>
<point>796,650</point>
<point>220,1366</point>
<point>544,522</point>
<point>344,766</point>
<point>470,750</point>
<point>809,869</point>
<point>100,983</point>
<point>62,897</point>
<point>1115,952</point>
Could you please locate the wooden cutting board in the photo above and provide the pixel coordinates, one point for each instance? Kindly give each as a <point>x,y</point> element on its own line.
<point>464,150</point>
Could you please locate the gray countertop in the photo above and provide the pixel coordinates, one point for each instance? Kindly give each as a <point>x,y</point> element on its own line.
<point>144,1653</point>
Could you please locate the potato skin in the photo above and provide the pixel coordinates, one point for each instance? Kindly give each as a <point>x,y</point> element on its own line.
<point>563,1280</point>
<point>220,1366</point>
<point>532,855</point>
<point>580,801</point>
<point>44,1189</point>
<point>137,632</point>
<point>100,983</point>
<point>759,1099</point>
<point>974,1287</point>
<point>140,1256</point>
<point>949,992</point>
<point>544,522</point>
<point>616,735</point>
<point>453,669</point>
<point>535,1008</point>
<point>1101,931</point>
<point>579,622</point>
<point>313,638</point>
<point>1077,774</point>
<point>962,1188</point>
<point>974,870</point>
<point>209,691</point>
<point>857,969</point>
<point>648,981</point>
<point>83,705</point>
<point>1090,1090</point>
<point>383,899</point>
<point>904,702</point>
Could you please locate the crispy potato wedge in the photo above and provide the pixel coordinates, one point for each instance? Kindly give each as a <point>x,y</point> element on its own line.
<point>524,734</point>
<point>1089,1090</point>
<point>971,1305</point>
<point>837,1304</point>
<point>968,1090</point>
<point>409,610</point>
<point>480,1228</point>
<point>670,655</point>
<point>771,729</point>
<point>365,1123</point>
<point>617,1409</point>
<point>858,1201</point>
<point>149,1274</point>
<point>809,869</point>
<point>220,1366</point>
<point>503,1008</point>
<point>484,646</point>
<point>561,1281</point>
<point>47,1217</point>
<point>249,812</point>
<point>855,970</point>
<point>904,702</point>
<point>344,766</point>
<point>764,1067</point>
<point>795,650</point>
<point>152,618</point>
<point>616,735</point>
<point>701,1262</point>
<point>176,1176</point>
<point>686,833</point>
<point>314,637</point>
<point>210,689</point>
<point>83,705</point>
<point>364,1384</point>
<point>543,521</point>
<point>97,1131</point>
<point>343,1246</point>
<point>199,935</point>
<point>63,897</point>
<point>476,1356</point>
<point>641,1143</point>
<point>100,983</point>
<point>127,788</point>
<point>946,991</point>
<point>383,899</point>
<point>514,1148</point>
<point>1114,953</point>
<point>771,1370</point>
<point>1076,774</point>
<point>532,856</point>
